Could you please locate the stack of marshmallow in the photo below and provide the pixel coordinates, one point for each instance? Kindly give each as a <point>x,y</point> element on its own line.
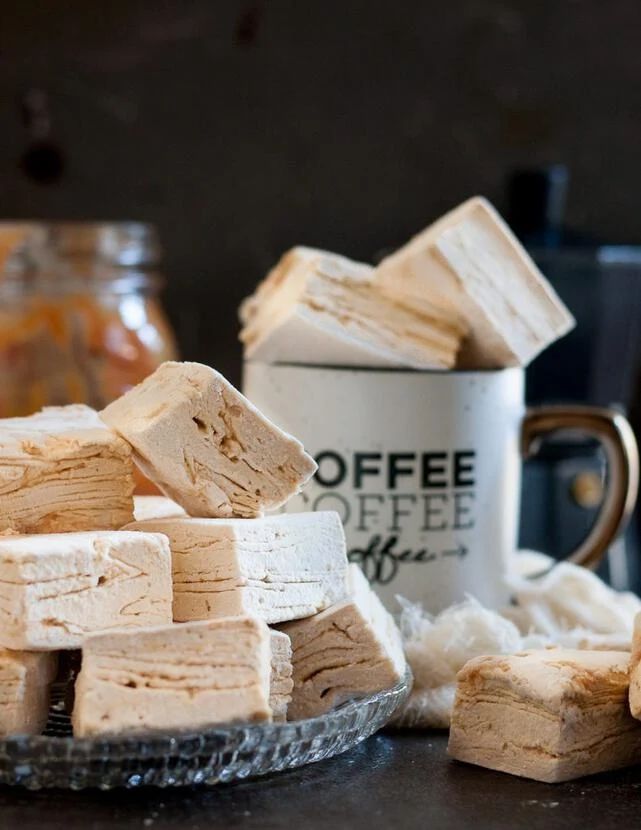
<point>173,607</point>
<point>462,294</point>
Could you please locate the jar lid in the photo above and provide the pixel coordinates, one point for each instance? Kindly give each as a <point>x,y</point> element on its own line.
<point>63,256</point>
<point>126,244</point>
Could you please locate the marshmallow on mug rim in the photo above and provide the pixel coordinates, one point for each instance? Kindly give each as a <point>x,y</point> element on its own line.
<point>469,261</point>
<point>320,308</point>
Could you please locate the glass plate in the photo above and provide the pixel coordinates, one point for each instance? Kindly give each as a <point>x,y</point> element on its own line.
<point>217,755</point>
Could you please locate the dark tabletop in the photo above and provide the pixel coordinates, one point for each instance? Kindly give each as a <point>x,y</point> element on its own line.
<point>394,780</point>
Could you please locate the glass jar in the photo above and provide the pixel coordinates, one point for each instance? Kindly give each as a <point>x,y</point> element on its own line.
<point>80,316</point>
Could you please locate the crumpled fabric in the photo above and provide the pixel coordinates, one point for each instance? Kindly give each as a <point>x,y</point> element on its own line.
<point>567,606</point>
<point>438,647</point>
<point>570,597</point>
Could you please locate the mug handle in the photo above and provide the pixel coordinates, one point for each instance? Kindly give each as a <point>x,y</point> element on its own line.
<point>615,434</point>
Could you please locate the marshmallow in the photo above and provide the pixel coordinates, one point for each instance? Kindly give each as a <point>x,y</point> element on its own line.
<point>320,308</point>
<point>277,568</point>
<point>173,677</point>
<point>550,715</point>
<point>63,470</point>
<point>281,682</point>
<point>635,670</point>
<point>206,446</point>
<point>25,679</point>
<point>155,507</point>
<point>351,649</point>
<point>469,262</point>
<point>56,588</point>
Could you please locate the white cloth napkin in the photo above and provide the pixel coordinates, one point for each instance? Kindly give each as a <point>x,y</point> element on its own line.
<point>567,606</point>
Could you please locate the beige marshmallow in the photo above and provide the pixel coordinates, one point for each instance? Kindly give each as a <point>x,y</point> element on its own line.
<point>63,470</point>
<point>25,680</point>
<point>635,669</point>
<point>281,682</point>
<point>353,648</point>
<point>320,308</point>
<point>551,715</point>
<point>173,677</point>
<point>278,568</point>
<point>155,507</point>
<point>206,446</point>
<point>470,262</point>
<point>56,588</point>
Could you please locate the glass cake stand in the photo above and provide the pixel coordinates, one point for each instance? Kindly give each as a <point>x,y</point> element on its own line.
<point>216,755</point>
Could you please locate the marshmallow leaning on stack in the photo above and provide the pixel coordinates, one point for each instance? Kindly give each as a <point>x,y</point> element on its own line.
<point>206,446</point>
<point>471,262</point>
<point>461,294</point>
<point>351,648</point>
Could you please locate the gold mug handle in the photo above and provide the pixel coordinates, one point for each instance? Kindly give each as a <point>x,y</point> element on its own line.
<point>615,434</point>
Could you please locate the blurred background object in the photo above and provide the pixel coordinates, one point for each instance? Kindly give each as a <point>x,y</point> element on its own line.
<point>598,362</point>
<point>240,128</point>
<point>80,320</point>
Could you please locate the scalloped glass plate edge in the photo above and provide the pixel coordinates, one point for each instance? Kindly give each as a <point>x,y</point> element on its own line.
<point>215,756</point>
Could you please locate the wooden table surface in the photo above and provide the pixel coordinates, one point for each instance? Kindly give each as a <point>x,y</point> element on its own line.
<point>393,781</point>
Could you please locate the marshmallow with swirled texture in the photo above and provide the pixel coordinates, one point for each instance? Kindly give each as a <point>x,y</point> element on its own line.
<point>316,307</point>
<point>470,263</point>
<point>206,446</point>
<point>63,470</point>
<point>551,715</point>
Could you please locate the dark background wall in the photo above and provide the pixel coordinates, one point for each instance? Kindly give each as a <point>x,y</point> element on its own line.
<point>241,128</point>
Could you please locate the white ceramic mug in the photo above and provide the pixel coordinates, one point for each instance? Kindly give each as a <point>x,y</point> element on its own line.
<point>424,469</point>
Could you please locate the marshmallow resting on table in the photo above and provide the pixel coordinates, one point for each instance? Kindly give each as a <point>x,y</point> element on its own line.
<point>278,568</point>
<point>62,470</point>
<point>470,262</point>
<point>349,650</point>
<point>320,308</point>
<point>206,446</point>
<point>551,715</point>
<point>56,588</point>
<point>25,680</point>
<point>174,677</point>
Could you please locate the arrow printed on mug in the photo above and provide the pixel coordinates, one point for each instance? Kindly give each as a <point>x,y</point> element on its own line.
<point>461,551</point>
